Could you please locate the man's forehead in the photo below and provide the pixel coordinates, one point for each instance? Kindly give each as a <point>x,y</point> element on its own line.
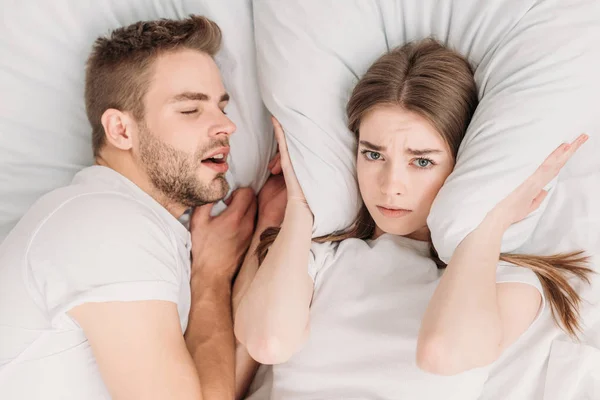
<point>188,75</point>
<point>185,58</point>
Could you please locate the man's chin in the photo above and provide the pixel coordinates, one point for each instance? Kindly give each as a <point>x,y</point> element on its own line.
<point>223,185</point>
<point>215,191</point>
<point>219,189</point>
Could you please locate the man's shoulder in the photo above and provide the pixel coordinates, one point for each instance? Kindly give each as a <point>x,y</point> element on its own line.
<point>96,194</point>
<point>101,207</point>
<point>107,226</point>
<point>85,209</point>
<point>89,210</point>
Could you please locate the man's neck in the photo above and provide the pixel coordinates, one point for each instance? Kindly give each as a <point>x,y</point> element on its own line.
<point>130,171</point>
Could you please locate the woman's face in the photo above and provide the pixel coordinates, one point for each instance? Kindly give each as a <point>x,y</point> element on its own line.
<point>402,163</point>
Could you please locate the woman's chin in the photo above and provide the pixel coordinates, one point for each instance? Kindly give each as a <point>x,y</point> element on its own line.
<point>417,233</point>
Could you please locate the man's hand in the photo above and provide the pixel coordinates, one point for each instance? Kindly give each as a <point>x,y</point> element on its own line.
<point>219,243</point>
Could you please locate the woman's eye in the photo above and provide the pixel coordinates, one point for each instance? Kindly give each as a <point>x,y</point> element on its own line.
<point>373,155</point>
<point>423,162</point>
<point>190,111</point>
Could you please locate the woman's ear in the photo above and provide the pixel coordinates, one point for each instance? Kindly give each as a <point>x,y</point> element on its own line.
<point>118,129</point>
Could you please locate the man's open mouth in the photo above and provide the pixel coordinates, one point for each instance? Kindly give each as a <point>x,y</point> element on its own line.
<point>217,160</point>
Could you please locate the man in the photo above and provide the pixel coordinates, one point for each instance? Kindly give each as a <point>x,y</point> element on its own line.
<point>95,279</point>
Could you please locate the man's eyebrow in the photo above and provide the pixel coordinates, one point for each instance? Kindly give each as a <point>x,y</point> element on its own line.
<point>190,96</point>
<point>186,96</point>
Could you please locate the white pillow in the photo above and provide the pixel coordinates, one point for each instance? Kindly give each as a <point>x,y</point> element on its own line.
<point>44,132</point>
<point>536,68</point>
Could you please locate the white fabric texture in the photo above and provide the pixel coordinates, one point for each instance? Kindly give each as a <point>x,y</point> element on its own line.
<point>365,315</point>
<point>320,258</point>
<point>536,69</point>
<point>573,372</point>
<point>99,239</point>
<point>44,132</point>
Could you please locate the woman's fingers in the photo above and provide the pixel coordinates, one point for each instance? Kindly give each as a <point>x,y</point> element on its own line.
<point>275,165</point>
<point>553,164</point>
<point>285,165</point>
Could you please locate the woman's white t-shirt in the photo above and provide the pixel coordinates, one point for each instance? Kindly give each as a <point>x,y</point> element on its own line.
<point>369,299</point>
<point>99,239</point>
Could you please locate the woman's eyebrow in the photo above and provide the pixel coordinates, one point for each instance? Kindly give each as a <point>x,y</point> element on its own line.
<point>422,152</point>
<point>372,146</point>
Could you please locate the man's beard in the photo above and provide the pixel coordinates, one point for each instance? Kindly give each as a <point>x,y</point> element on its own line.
<point>174,172</point>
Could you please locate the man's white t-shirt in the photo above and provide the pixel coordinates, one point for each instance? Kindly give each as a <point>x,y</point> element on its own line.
<point>99,239</point>
<point>369,300</point>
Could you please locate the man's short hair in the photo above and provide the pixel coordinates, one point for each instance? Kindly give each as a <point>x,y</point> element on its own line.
<point>119,68</point>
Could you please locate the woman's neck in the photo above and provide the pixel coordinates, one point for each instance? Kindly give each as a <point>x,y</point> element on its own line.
<point>422,235</point>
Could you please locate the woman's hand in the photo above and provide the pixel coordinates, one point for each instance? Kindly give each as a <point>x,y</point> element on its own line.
<point>530,194</point>
<point>272,201</point>
<point>274,195</point>
<point>283,163</point>
<point>273,313</point>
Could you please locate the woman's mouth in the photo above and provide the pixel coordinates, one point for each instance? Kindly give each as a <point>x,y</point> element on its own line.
<point>393,212</point>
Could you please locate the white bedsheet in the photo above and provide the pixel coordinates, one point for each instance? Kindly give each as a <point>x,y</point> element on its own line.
<point>573,372</point>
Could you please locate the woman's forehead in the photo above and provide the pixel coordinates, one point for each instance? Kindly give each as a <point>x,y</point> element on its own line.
<point>387,124</point>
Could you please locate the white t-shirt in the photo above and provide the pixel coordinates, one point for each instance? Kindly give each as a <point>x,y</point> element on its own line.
<point>369,300</point>
<point>99,239</point>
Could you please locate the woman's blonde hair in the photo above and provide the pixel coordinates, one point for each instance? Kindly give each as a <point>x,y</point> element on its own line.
<point>437,83</point>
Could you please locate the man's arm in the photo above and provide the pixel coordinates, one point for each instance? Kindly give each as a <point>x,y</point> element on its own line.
<point>218,245</point>
<point>139,349</point>
<point>210,338</point>
<point>139,345</point>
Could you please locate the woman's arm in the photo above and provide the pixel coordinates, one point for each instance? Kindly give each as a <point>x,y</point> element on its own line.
<point>246,366</point>
<point>272,201</point>
<point>471,319</point>
<point>272,318</point>
<point>273,314</point>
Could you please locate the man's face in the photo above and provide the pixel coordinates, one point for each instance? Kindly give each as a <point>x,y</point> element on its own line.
<point>183,139</point>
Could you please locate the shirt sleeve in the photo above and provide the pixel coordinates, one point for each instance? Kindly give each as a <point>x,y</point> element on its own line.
<point>320,257</point>
<point>101,248</point>
<point>510,273</point>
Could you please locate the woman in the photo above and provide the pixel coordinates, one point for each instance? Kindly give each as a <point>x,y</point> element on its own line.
<point>386,319</point>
